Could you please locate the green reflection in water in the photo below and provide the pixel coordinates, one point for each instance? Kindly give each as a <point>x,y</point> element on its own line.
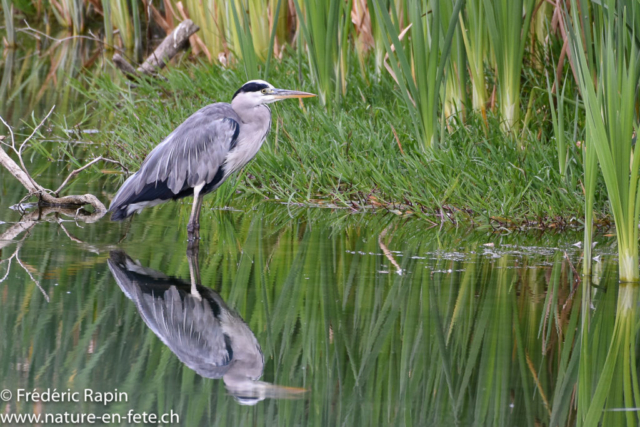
<point>468,334</point>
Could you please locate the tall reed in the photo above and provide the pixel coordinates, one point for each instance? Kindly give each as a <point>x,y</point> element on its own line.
<point>508,25</point>
<point>611,122</point>
<point>260,26</point>
<point>476,43</point>
<point>244,47</point>
<point>608,74</point>
<point>108,24</point>
<point>122,20</point>
<point>558,121</point>
<point>208,15</point>
<point>70,14</point>
<point>425,55</point>
<point>325,27</point>
<point>7,6</point>
<point>455,87</point>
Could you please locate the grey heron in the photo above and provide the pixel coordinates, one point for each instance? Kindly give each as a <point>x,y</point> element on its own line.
<point>201,153</point>
<point>199,328</point>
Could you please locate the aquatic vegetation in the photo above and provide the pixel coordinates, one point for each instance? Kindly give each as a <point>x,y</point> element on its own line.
<point>423,52</point>
<point>69,14</point>
<point>508,26</point>
<point>476,43</point>
<point>611,122</point>
<point>325,25</point>
<point>121,17</point>
<point>558,120</point>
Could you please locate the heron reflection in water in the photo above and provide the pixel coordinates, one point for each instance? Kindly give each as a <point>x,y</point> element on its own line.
<point>198,327</point>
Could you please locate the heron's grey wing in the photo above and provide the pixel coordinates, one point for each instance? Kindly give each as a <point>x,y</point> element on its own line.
<point>188,326</point>
<point>192,154</point>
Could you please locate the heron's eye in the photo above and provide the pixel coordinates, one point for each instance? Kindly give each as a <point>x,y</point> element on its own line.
<point>264,91</point>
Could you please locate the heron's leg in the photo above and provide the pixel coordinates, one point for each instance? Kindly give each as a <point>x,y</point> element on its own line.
<point>126,229</point>
<point>194,221</point>
<point>193,251</point>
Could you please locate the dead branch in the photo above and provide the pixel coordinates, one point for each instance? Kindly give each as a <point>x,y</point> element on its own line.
<point>124,65</point>
<point>44,195</point>
<point>170,46</point>
<point>28,221</point>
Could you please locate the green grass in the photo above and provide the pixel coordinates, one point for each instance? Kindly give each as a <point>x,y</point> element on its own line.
<point>351,158</point>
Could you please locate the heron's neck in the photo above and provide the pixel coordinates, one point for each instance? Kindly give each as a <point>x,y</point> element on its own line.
<point>260,114</point>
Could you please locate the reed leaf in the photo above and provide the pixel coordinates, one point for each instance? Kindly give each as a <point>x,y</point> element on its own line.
<point>424,53</point>
<point>508,25</point>
<point>7,6</point>
<point>242,32</point>
<point>325,27</point>
<point>476,42</point>
<point>611,121</point>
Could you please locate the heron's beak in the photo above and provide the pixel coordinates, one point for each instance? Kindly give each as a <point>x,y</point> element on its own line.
<point>285,94</point>
<point>251,392</point>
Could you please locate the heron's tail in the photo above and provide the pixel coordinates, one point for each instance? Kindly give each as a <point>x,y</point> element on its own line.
<point>119,207</point>
<point>120,214</point>
<point>135,195</point>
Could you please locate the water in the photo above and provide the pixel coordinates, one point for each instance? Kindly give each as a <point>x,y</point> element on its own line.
<point>362,319</point>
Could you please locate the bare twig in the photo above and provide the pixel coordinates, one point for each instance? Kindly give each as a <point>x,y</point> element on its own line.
<point>19,151</point>
<point>16,256</point>
<point>30,29</point>
<point>22,175</point>
<point>92,162</point>
<point>387,252</point>
<point>8,266</point>
<point>76,172</point>
<point>31,276</point>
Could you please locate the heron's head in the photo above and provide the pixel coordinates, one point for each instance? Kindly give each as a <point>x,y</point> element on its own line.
<point>258,92</point>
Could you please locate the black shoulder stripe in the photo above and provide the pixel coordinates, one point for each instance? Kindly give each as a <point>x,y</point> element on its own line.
<point>236,132</point>
<point>227,343</point>
<point>210,186</point>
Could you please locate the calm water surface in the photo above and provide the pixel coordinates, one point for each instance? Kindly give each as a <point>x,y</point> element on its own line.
<point>300,317</point>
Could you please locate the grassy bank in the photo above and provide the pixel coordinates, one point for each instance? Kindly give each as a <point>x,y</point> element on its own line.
<point>363,155</point>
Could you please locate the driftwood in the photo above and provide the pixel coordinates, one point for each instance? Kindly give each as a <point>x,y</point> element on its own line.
<point>45,197</point>
<point>28,221</point>
<point>170,46</point>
